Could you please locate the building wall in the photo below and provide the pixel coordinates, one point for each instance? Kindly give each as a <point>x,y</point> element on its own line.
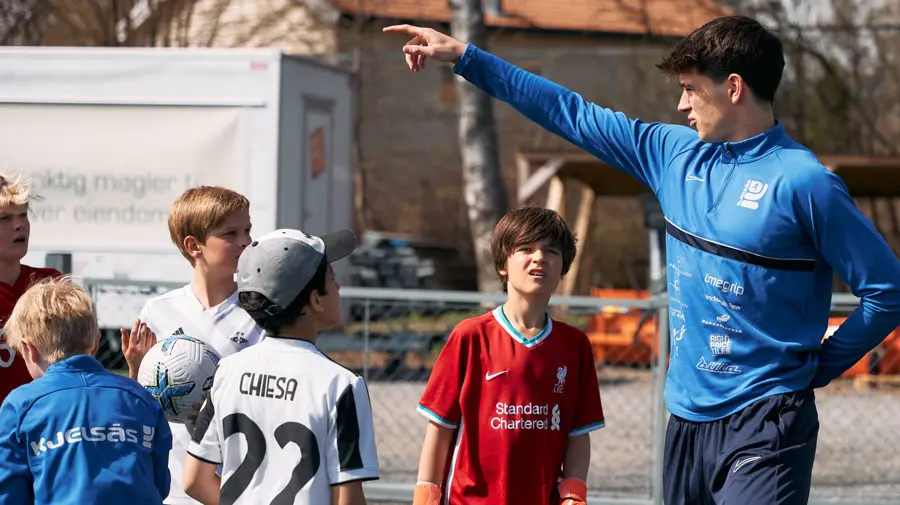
<point>256,23</point>
<point>410,152</point>
<point>408,143</point>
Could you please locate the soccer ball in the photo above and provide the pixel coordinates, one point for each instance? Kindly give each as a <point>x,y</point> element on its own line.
<point>178,371</point>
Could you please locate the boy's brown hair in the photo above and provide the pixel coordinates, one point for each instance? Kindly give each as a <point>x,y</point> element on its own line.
<point>526,226</point>
<point>199,210</point>
<point>55,316</point>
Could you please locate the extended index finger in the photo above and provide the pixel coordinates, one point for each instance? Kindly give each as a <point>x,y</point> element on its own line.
<point>408,29</point>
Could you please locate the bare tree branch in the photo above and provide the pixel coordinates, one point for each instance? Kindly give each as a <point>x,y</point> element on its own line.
<point>832,65</point>
<point>19,20</point>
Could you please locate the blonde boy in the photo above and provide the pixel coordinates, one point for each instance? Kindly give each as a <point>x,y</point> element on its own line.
<point>15,278</point>
<point>210,226</point>
<point>104,433</point>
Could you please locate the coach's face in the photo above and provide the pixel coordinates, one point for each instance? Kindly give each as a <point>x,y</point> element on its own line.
<point>707,105</point>
<point>15,230</point>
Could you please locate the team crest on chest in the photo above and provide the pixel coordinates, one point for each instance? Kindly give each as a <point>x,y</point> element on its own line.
<point>238,338</point>
<point>752,193</point>
<point>560,380</point>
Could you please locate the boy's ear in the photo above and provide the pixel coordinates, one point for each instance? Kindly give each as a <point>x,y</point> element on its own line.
<point>31,352</point>
<point>96,343</point>
<point>315,301</point>
<point>502,270</point>
<point>192,246</point>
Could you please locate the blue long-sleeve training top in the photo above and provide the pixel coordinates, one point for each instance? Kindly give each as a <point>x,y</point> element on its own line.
<point>755,231</point>
<point>82,435</point>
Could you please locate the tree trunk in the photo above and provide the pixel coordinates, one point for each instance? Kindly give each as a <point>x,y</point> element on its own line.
<point>482,184</point>
<point>362,211</point>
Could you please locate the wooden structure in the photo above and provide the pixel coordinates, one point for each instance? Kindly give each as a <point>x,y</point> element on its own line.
<point>538,169</point>
<point>621,336</point>
<point>865,177</point>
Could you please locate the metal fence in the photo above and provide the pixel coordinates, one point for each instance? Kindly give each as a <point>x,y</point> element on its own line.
<point>392,338</point>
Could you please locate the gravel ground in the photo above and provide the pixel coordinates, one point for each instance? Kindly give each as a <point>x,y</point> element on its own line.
<point>857,449</point>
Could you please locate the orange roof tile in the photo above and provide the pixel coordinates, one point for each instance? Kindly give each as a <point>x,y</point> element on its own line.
<point>659,17</point>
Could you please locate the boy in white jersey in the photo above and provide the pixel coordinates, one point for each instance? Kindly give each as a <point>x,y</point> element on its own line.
<point>210,225</point>
<point>287,424</point>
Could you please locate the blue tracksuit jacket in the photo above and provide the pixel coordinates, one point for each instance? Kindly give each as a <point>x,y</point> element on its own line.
<point>82,435</point>
<point>755,231</point>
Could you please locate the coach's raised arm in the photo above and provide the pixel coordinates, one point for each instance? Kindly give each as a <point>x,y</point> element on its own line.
<point>628,144</point>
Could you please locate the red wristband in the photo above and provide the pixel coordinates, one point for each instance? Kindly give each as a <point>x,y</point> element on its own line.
<point>575,489</point>
<point>426,493</point>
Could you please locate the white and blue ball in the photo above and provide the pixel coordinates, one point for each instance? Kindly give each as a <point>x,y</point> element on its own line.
<point>178,371</point>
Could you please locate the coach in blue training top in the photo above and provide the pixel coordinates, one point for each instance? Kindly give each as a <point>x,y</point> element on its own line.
<point>756,229</point>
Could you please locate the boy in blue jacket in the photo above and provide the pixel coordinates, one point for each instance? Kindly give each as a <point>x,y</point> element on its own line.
<point>77,434</point>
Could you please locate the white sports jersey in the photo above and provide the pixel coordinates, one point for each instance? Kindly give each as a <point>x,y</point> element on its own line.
<point>286,423</point>
<point>226,327</point>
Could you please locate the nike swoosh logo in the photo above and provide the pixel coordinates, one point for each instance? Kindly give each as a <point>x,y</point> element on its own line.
<point>741,463</point>
<point>695,178</point>
<point>490,376</point>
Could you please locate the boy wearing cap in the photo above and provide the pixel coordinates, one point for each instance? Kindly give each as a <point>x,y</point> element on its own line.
<point>287,424</point>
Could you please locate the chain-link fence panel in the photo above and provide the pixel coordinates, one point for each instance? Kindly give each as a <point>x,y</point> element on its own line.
<point>118,304</point>
<point>393,338</point>
<point>859,416</point>
<point>394,344</point>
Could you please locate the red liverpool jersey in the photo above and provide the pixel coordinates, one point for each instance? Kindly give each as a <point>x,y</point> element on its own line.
<point>514,403</point>
<point>13,372</point>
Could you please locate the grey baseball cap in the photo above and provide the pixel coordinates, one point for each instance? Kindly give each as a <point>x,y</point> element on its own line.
<point>279,264</point>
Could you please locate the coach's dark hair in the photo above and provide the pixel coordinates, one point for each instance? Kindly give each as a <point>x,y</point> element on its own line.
<point>267,315</point>
<point>731,45</point>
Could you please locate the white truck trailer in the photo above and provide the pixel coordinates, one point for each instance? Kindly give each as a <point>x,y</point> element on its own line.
<point>111,137</point>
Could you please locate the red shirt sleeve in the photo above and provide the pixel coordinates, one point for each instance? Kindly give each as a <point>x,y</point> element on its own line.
<point>440,402</point>
<point>13,371</point>
<point>589,408</point>
<point>31,275</point>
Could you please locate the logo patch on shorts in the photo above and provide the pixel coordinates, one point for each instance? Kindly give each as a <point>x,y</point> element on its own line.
<point>742,462</point>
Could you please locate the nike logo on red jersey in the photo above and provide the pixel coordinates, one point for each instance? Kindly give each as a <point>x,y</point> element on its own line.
<point>491,376</point>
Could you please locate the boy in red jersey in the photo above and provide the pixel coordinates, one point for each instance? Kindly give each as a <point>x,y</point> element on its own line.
<point>514,394</point>
<point>15,278</point>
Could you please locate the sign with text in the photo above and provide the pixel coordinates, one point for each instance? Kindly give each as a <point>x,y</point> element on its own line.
<point>107,175</point>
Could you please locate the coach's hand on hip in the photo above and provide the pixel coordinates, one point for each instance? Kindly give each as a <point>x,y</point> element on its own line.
<point>428,43</point>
